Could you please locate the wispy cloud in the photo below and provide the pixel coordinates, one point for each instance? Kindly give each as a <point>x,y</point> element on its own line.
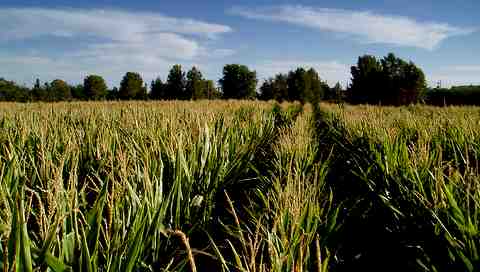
<point>365,26</point>
<point>20,23</point>
<point>108,40</point>
<point>330,71</point>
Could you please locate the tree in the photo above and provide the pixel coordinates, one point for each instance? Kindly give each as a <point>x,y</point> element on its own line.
<point>78,92</point>
<point>456,95</point>
<point>280,85</point>
<point>131,87</point>
<point>238,82</point>
<point>366,80</point>
<point>315,87</point>
<point>60,90</point>
<point>275,88</point>
<point>143,94</point>
<point>95,87</point>
<point>267,90</point>
<point>414,88</point>
<point>305,86</point>
<point>112,94</point>
<point>195,87</point>
<point>9,91</point>
<point>211,91</point>
<point>48,97</point>
<point>296,84</point>
<point>176,82</point>
<point>391,81</point>
<point>157,89</point>
<point>334,94</point>
<point>39,93</point>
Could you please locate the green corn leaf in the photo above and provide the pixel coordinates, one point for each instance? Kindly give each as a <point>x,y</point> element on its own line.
<point>55,264</point>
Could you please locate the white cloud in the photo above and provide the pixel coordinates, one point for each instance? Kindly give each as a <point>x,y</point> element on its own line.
<point>106,42</point>
<point>366,26</point>
<point>21,23</point>
<point>331,71</point>
<point>166,45</point>
<point>218,53</point>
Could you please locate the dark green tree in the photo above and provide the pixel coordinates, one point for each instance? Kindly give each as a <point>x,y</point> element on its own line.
<point>238,82</point>
<point>131,87</point>
<point>78,92</point>
<point>334,94</point>
<point>95,87</point>
<point>367,81</point>
<point>413,87</point>
<point>39,93</point>
<point>49,97</point>
<point>281,87</point>
<point>157,89</point>
<point>60,90</point>
<point>267,90</point>
<point>211,92</point>
<point>296,85</point>
<point>176,82</point>
<point>195,86</point>
<point>10,91</point>
<point>274,88</point>
<point>456,95</point>
<point>390,81</point>
<point>143,94</point>
<point>112,94</point>
<point>315,88</point>
<point>305,86</point>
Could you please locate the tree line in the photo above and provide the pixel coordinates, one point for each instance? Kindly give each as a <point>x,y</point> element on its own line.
<point>179,85</point>
<point>237,82</point>
<point>387,81</point>
<point>456,95</point>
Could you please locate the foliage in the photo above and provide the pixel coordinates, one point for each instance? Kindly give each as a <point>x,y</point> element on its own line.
<point>9,91</point>
<point>211,91</point>
<point>238,186</point>
<point>176,83</point>
<point>38,93</point>
<point>132,87</point>
<point>59,90</point>
<point>305,85</point>
<point>275,88</point>
<point>408,177</point>
<point>78,92</point>
<point>238,82</point>
<point>390,81</point>
<point>95,87</point>
<point>456,95</point>
<point>157,89</point>
<point>299,85</point>
<point>194,87</point>
<point>335,94</point>
<point>135,185</point>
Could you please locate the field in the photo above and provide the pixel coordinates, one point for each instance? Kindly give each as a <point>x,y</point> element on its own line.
<point>238,186</point>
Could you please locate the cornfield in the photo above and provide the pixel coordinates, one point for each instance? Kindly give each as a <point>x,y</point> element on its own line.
<point>238,186</point>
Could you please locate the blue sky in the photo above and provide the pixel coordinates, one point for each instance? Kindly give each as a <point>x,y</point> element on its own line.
<point>69,40</point>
